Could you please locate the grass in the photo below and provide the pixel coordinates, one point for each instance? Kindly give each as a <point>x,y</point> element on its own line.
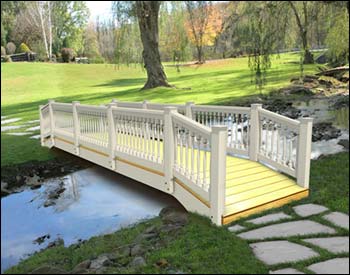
<point>206,249</point>
<point>24,86</point>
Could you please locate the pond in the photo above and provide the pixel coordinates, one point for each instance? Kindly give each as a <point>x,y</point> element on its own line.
<point>94,201</point>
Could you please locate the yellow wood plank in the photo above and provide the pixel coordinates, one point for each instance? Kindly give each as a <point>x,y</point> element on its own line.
<point>272,196</point>
<point>273,204</point>
<point>259,191</point>
<point>231,174</point>
<point>255,184</point>
<point>254,177</point>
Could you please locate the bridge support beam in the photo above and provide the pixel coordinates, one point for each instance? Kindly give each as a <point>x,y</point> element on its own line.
<point>218,173</point>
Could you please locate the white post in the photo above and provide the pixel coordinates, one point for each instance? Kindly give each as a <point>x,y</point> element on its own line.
<point>304,152</point>
<point>188,110</point>
<point>52,123</point>
<point>111,136</point>
<point>254,132</point>
<point>144,104</point>
<point>114,102</point>
<point>76,127</point>
<point>218,172</point>
<point>169,148</point>
<point>41,125</point>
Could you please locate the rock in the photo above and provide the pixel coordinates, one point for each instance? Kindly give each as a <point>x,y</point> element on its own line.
<point>81,267</point>
<point>138,262</point>
<point>236,228</point>
<point>151,229</point>
<point>137,250</point>
<point>277,252</point>
<point>339,219</point>
<point>270,218</point>
<point>146,237</point>
<point>4,185</point>
<point>48,203</point>
<point>324,131</point>
<point>162,263</point>
<point>333,266</point>
<point>329,81</point>
<point>287,229</point>
<point>32,181</point>
<point>171,215</point>
<point>101,261</point>
<point>306,210</point>
<point>296,90</point>
<point>322,59</point>
<point>41,239</point>
<point>344,143</point>
<point>123,251</point>
<point>332,244</point>
<point>55,243</point>
<point>46,269</point>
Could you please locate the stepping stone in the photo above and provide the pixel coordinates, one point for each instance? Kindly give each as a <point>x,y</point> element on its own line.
<point>277,252</point>
<point>332,244</point>
<point>306,210</point>
<point>286,271</point>
<point>287,229</point>
<point>333,266</point>
<point>236,228</point>
<point>338,218</point>
<point>270,218</point>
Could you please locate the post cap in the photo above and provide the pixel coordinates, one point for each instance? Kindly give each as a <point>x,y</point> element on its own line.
<point>51,101</point>
<point>169,109</point>
<point>114,100</point>
<point>190,103</point>
<point>76,102</point>
<point>306,119</point>
<point>256,105</point>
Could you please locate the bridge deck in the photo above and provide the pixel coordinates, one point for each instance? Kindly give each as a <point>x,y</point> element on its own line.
<point>252,187</point>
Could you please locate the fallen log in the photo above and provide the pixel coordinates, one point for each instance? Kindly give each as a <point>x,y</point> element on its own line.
<point>334,71</point>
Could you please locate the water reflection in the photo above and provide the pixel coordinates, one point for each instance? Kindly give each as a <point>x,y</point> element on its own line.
<point>95,201</point>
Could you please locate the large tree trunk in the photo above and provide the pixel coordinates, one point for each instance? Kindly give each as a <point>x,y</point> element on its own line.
<point>147,13</point>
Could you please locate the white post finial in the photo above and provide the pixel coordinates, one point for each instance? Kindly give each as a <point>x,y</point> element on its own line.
<point>254,132</point>
<point>114,102</point>
<point>218,173</point>
<point>144,104</point>
<point>304,151</point>
<point>169,148</point>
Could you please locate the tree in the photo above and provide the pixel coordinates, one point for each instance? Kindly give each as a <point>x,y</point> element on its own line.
<point>10,48</point>
<point>147,14</point>
<point>23,48</point>
<point>304,13</point>
<point>198,13</point>
<point>90,42</point>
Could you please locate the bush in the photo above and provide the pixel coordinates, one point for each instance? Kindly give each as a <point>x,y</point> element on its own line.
<point>97,60</point>
<point>67,54</point>
<point>3,51</point>
<point>10,48</point>
<point>23,48</point>
<point>6,58</point>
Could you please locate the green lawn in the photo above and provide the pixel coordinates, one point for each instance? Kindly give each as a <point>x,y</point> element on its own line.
<point>24,86</point>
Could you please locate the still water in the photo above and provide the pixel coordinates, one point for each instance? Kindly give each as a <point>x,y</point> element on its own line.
<point>95,201</point>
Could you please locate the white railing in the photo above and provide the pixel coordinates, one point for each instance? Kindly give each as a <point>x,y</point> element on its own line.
<point>187,148</point>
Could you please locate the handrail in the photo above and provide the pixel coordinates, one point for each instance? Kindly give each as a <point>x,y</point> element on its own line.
<point>192,125</point>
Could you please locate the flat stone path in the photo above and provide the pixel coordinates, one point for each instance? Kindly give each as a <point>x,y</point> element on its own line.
<point>283,251</point>
<point>287,229</point>
<point>306,210</point>
<point>278,252</point>
<point>333,266</point>
<point>270,218</point>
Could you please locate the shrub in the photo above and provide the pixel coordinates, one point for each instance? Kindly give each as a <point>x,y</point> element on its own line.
<point>23,48</point>
<point>10,48</point>
<point>67,54</point>
<point>7,58</point>
<point>3,51</point>
<point>97,60</point>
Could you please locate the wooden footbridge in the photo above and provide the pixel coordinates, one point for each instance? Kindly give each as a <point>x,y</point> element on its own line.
<point>219,161</point>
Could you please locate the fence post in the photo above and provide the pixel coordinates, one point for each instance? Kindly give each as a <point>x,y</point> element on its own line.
<point>188,109</point>
<point>304,151</point>
<point>169,147</point>
<point>76,125</point>
<point>114,102</point>
<point>254,132</point>
<point>41,126</point>
<point>144,104</point>
<point>111,135</point>
<point>52,123</point>
<point>218,172</point>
